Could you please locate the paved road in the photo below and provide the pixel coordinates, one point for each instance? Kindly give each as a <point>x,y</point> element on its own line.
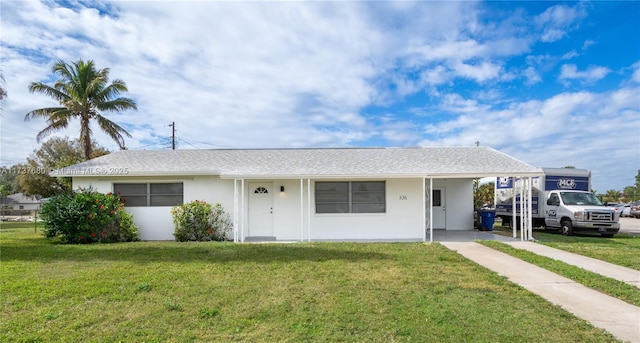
<point>630,225</point>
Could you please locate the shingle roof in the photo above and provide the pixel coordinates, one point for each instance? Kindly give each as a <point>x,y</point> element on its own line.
<point>294,163</point>
<point>19,198</point>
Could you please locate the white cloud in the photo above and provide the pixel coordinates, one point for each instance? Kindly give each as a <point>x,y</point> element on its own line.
<point>592,74</point>
<point>557,20</point>
<point>569,55</point>
<point>532,76</point>
<point>587,44</point>
<point>304,74</point>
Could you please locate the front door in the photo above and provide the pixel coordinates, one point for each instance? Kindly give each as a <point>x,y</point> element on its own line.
<point>260,210</point>
<point>439,208</point>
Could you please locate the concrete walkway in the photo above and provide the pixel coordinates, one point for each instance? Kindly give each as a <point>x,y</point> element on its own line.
<point>627,275</point>
<point>619,318</point>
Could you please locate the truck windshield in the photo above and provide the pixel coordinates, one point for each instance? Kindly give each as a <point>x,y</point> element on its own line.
<point>574,198</point>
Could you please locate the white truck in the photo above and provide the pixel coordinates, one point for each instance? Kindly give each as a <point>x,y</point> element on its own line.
<point>560,200</point>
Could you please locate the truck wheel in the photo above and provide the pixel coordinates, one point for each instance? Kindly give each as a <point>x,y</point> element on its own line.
<point>566,228</point>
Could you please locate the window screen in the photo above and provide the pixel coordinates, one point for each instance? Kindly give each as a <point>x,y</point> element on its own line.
<point>150,194</point>
<point>350,197</point>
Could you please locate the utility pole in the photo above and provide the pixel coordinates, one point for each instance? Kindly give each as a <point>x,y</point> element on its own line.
<point>173,135</point>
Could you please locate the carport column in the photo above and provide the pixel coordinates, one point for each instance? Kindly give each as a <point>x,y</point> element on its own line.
<point>309,207</point>
<point>530,207</point>
<point>235,210</point>
<point>431,210</point>
<point>242,210</point>
<point>301,210</point>
<point>424,206</point>
<point>521,189</point>
<point>514,222</point>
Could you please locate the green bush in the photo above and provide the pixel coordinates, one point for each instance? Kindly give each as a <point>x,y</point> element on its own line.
<point>199,221</point>
<point>87,216</point>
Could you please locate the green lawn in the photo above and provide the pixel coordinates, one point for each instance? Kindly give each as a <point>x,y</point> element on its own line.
<point>201,292</point>
<point>623,250</point>
<point>612,287</point>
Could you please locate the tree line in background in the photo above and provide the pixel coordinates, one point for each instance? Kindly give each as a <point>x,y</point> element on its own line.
<point>32,177</point>
<point>483,194</point>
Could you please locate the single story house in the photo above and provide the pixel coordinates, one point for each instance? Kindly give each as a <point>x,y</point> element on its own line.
<point>19,201</point>
<point>381,194</point>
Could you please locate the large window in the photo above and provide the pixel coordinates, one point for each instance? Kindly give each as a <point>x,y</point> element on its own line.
<point>350,197</point>
<point>150,194</point>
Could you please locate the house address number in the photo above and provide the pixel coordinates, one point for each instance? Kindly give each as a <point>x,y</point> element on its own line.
<point>403,197</point>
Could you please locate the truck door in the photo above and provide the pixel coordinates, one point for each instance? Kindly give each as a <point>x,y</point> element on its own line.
<point>551,215</point>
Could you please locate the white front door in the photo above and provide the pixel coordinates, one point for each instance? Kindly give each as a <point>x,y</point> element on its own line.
<point>260,210</point>
<point>439,208</point>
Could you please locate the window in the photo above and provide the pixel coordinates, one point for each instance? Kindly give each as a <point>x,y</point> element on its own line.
<point>350,197</point>
<point>150,194</point>
<point>437,197</point>
<point>553,200</point>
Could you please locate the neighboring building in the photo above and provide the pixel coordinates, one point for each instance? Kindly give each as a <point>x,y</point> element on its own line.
<point>19,201</point>
<point>394,194</point>
<point>18,204</point>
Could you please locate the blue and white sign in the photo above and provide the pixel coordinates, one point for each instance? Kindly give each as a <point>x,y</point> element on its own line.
<point>504,182</point>
<point>567,182</point>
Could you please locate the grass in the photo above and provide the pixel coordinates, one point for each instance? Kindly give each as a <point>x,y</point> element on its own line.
<point>623,250</point>
<point>328,292</point>
<point>612,287</point>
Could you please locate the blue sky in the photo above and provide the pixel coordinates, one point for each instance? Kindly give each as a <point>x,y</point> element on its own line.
<point>550,83</point>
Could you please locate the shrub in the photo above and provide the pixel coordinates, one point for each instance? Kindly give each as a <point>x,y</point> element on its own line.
<point>199,221</point>
<point>87,216</point>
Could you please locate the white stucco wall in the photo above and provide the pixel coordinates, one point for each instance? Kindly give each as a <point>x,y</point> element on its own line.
<point>403,219</point>
<point>459,203</point>
<point>155,222</point>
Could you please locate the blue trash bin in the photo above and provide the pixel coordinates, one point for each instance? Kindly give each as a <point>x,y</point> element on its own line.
<point>487,218</point>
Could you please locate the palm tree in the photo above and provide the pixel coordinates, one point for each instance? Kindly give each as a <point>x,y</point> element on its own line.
<point>82,91</point>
